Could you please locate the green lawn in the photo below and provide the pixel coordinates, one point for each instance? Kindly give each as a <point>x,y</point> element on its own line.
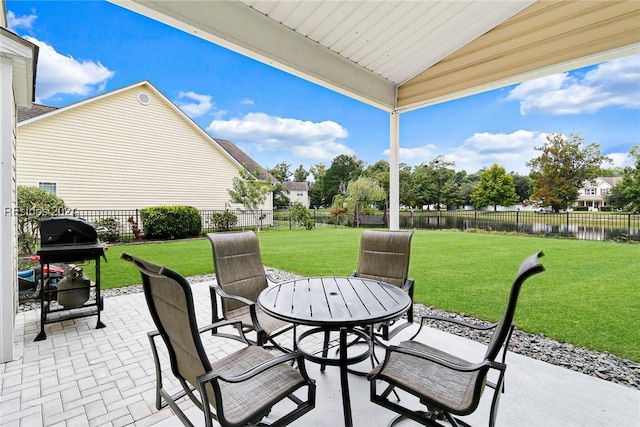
<point>588,296</point>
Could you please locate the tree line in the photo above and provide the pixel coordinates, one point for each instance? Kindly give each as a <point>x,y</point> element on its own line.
<point>556,174</point>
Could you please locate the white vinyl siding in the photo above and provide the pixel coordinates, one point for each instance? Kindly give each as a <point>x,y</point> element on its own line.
<point>115,153</point>
<point>301,197</point>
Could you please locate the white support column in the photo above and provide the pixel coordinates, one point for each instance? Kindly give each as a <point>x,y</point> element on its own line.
<point>7,221</point>
<point>18,59</point>
<point>394,173</point>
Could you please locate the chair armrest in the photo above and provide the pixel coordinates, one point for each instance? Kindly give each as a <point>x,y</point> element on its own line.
<point>424,319</point>
<point>237,324</point>
<point>472,367</point>
<point>252,306</point>
<point>484,327</point>
<point>218,290</point>
<point>214,375</point>
<point>219,324</point>
<point>408,284</point>
<point>285,385</point>
<point>152,335</point>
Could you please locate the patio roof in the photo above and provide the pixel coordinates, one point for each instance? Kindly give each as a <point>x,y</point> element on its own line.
<point>401,55</point>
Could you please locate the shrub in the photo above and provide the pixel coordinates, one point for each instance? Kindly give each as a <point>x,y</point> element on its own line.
<point>112,234</point>
<point>34,204</point>
<point>171,222</point>
<point>224,221</point>
<point>301,216</point>
<point>337,215</point>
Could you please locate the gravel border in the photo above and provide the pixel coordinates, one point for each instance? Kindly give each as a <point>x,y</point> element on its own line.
<point>605,366</point>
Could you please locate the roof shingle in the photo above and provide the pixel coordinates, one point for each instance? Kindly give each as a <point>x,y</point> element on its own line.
<point>25,113</point>
<point>296,186</point>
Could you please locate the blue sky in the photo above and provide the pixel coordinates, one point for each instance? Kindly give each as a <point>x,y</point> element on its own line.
<point>91,47</point>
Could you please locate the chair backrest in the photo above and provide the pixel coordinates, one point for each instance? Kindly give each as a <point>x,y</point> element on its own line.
<point>384,256</point>
<point>528,268</point>
<point>238,265</point>
<point>170,302</point>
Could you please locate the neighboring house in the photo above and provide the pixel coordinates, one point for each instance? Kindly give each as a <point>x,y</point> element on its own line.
<point>298,192</point>
<point>18,64</point>
<point>128,149</point>
<point>592,195</point>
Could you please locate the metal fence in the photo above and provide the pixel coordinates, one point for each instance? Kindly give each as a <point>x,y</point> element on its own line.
<point>245,220</point>
<point>578,225</point>
<point>583,226</point>
<point>125,219</point>
<point>121,218</point>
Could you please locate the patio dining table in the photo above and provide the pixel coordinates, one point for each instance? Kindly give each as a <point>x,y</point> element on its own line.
<point>335,304</point>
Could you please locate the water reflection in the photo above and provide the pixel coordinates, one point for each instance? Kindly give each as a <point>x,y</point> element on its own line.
<point>583,232</point>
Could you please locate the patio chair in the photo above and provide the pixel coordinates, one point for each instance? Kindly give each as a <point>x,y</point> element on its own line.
<point>240,277</point>
<point>237,390</point>
<point>448,385</point>
<point>384,256</point>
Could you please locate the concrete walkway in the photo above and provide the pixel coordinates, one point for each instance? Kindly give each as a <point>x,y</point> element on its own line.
<point>82,376</point>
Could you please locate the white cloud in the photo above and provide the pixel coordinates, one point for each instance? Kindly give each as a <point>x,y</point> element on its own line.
<point>620,160</point>
<point>219,114</point>
<point>481,150</point>
<point>321,150</point>
<point>14,22</point>
<point>416,155</point>
<point>247,101</point>
<point>316,141</point>
<point>613,83</point>
<point>59,74</point>
<point>511,151</point>
<point>200,107</point>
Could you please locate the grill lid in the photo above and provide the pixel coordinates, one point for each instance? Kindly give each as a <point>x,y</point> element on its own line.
<point>64,230</point>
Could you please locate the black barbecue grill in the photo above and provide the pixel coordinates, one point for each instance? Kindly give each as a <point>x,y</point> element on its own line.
<point>69,240</point>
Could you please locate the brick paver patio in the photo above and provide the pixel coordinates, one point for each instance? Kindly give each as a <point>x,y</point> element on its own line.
<point>82,376</point>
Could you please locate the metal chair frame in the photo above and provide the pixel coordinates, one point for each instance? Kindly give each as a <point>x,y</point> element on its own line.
<point>251,271</point>
<point>412,356</point>
<point>380,252</point>
<point>215,378</point>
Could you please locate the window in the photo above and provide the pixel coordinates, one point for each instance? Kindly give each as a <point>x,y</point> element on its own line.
<point>49,187</point>
<point>590,191</point>
<point>605,191</point>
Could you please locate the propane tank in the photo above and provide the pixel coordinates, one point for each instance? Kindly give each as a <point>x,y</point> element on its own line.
<point>67,296</point>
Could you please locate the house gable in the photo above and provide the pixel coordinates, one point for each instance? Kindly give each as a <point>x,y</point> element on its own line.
<point>128,149</point>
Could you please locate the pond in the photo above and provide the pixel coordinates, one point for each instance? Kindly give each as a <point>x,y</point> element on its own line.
<point>577,231</point>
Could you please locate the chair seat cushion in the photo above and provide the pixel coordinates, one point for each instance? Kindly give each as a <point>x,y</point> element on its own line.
<point>241,400</point>
<point>454,390</point>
